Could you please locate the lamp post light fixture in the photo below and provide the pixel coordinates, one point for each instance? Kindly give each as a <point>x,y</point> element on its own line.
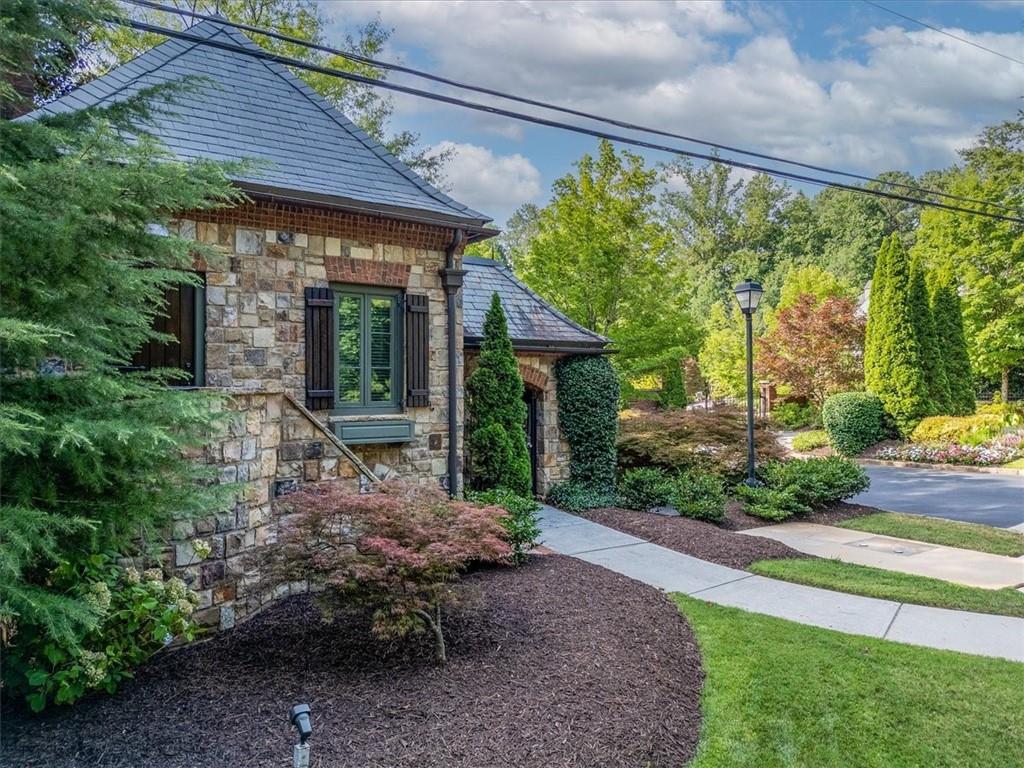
<point>748,295</point>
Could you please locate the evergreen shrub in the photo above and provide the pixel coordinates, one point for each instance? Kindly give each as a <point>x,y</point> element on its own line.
<point>498,454</point>
<point>644,487</point>
<point>588,411</point>
<point>809,441</point>
<point>577,497</point>
<point>698,495</point>
<point>520,523</point>
<point>965,430</point>
<point>854,421</point>
<point>795,415</point>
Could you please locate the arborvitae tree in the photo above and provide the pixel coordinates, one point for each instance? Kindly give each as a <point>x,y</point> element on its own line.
<point>92,458</point>
<point>949,328</point>
<point>892,359</point>
<point>932,362</point>
<point>499,457</point>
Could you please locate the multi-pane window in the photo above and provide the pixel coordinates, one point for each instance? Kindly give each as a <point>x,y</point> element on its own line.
<point>369,344</point>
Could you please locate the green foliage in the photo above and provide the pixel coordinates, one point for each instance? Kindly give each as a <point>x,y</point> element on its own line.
<point>817,481</point>
<point>573,496</point>
<point>498,454</point>
<point>673,387</point>
<point>933,363</point>
<point>893,362</point>
<point>773,504</point>
<point>796,415</point>
<point>698,495</point>
<point>964,430</point>
<point>599,253</point>
<point>1012,413</point>
<point>808,441</point>
<point>854,421</point>
<point>133,617</point>
<point>588,402</point>
<point>947,314</point>
<point>520,523</point>
<point>644,487</point>
<point>677,440</point>
<point>723,357</point>
<point>986,255</point>
<point>93,460</point>
<point>811,281</point>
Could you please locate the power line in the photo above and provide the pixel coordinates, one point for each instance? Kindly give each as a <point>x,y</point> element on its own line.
<point>548,105</point>
<point>259,53</point>
<point>926,25</point>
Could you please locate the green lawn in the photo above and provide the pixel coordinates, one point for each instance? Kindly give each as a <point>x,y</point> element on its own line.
<point>783,694</point>
<point>1015,464</point>
<point>933,530</point>
<point>890,585</point>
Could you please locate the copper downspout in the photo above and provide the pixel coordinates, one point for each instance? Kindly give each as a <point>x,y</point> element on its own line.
<point>451,279</point>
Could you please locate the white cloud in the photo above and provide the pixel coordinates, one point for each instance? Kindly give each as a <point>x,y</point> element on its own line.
<point>716,71</point>
<point>493,184</point>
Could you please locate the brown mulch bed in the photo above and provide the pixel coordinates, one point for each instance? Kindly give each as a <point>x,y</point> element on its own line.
<point>557,663</point>
<point>693,537</point>
<point>837,512</point>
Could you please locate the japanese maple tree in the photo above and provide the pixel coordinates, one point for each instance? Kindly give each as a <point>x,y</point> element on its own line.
<point>395,551</point>
<point>816,347</point>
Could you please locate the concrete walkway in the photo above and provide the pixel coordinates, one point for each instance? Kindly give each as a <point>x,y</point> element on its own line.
<point>981,634</point>
<point>964,566</point>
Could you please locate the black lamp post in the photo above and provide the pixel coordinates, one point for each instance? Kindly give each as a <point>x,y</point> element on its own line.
<point>748,294</point>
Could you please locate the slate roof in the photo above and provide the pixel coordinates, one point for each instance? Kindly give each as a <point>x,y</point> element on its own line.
<point>533,324</point>
<point>251,108</point>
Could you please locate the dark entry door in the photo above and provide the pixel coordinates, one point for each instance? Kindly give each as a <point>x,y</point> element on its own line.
<point>530,398</point>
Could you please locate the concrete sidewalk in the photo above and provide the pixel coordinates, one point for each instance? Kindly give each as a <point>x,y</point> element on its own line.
<point>963,566</point>
<point>980,634</point>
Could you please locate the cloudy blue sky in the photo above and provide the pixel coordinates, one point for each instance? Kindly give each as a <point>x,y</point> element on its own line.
<point>837,82</point>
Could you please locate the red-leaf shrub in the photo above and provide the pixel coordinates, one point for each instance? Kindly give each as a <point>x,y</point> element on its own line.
<point>395,551</point>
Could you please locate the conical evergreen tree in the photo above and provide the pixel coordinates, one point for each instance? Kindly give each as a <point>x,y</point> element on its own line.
<point>932,362</point>
<point>892,359</point>
<point>949,328</point>
<point>497,447</point>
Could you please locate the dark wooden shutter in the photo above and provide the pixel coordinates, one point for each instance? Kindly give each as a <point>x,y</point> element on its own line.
<point>319,348</point>
<point>417,350</point>
<point>177,318</point>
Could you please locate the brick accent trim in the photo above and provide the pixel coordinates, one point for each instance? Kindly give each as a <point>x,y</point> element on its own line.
<point>534,377</point>
<point>328,222</point>
<point>341,269</point>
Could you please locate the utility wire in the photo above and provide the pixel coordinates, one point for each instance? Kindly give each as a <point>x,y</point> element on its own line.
<point>553,107</point>
<point>262,54</point>
<point>881,7</point>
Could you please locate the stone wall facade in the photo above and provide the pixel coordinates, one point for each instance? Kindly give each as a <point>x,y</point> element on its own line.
<point>538,372</point>
<point>255,351</point>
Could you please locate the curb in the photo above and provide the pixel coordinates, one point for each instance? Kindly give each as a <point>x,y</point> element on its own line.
<point>942,467</point>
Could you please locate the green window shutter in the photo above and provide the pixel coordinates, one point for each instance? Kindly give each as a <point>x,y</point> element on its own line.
<point>319,348</point>
<point>417,350</point>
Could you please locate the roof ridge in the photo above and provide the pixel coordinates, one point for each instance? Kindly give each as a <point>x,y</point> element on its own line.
<point>346,124</point>
<point>504,269</point>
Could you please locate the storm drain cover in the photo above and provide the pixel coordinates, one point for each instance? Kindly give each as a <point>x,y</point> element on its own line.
<point>892,546</point>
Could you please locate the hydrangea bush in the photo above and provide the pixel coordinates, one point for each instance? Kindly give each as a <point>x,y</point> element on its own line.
<point>135,615</point>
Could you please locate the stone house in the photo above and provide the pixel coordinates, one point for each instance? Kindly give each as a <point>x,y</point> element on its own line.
<point>341,317</point>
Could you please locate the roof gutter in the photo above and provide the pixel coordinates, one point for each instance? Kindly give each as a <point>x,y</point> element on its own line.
<point>555,347</point>
<point>451,279</point>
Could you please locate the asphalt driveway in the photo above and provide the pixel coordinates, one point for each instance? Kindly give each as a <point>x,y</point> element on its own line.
<point>971,497</point>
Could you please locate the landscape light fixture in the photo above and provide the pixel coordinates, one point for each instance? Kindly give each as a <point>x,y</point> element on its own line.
<point>299,717</point>
<point>748,296</point>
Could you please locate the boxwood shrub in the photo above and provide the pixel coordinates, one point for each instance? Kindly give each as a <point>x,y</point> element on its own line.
<point>809,441</point>
<point>854,421</point>
<point>699,495</point>
<point>644,487</point>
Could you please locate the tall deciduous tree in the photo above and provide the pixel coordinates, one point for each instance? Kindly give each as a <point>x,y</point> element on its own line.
<point>949,328</point>
<point>815,347</point>
<point>303,19</point>
<point>987,255</point>
<point>92,458</point>
<point>893,368</point>
<point>723,356</point>
<point>496,412</point>
<point>599,254</point>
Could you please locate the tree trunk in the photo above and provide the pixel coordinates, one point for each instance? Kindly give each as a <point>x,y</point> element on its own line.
<point>1005,387</point>
<point>434,622</point>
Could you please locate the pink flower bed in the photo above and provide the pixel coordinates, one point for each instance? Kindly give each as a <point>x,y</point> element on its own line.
<point>1000,451</point>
